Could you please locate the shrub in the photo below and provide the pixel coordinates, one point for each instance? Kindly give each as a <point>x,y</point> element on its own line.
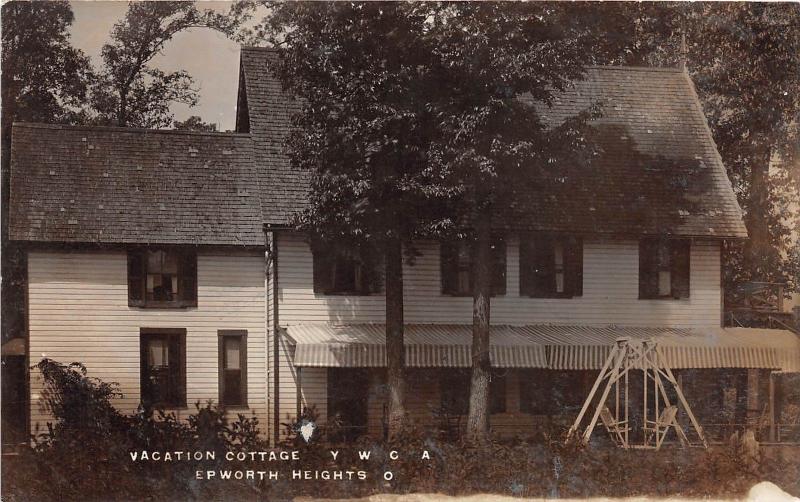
<point>84,456</point>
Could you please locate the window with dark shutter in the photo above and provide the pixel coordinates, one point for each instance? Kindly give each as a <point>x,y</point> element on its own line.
<point>664,268</point>
<point>551,267</point>
<point>136,274</point>
<point>456,267</point>
<point>165,278</point>
<point>679,268</point>
<point>341,272</point>
<point>163,367</point>
<point>233,367</point>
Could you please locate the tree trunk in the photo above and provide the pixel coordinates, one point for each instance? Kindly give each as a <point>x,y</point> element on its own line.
<point>478,418</point>
<point>395,350</point>
<point>758,250</point>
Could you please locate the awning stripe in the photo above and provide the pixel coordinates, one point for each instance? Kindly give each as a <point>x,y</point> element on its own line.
<point>544,346</point>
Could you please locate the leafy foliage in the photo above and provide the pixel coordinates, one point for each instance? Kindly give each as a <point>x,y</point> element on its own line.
<point>194,123</point>
<point>743,58</point>
<point>43,77</point>
<point>85,453</point>
<point>130,91</point>
<point>85,456</point>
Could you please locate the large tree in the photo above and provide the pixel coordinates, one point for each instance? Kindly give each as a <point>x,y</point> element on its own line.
<point>408,107</point>
<point>44,79</point>
<point>488,56</point>
<point>745,61</point>
<point>130,91</point>
<point>359,72</point>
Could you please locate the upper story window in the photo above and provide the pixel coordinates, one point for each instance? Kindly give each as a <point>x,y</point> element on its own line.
<point>162,277</point>
<point>456,259</point>
<point>354,273</point>
<point>664,268</point>
<point>550,266</point>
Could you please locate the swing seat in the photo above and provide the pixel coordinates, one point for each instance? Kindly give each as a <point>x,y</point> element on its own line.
<point>661,426</point>
<point>615,428</point>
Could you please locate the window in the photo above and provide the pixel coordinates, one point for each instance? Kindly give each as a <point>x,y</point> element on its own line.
<point>342,272</point>
<point>551,392</point>
<point>455,387</point>
<point>550,267</point>
<point>162,278</point>
<point>163,367</point>
<point>456,260</point>
<point>233,368</point>
<point>664,268</point>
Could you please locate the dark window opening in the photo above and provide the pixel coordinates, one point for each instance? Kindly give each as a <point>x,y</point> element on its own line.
<point>233,368</point>
<point>456,265</point>
<point>163,367</point>
<point>664,268</point>
<point>552,392</point>
<point>455,388</point>
<point>358,273</point>
<point>550,267</point>
<point>348,393</point>
<point>162,278</point>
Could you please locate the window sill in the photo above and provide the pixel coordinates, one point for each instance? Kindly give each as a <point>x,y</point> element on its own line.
<point>347,293</point>
<point>169,407</point>
<point>469,295</point>
<point>554,296</point>
<point>235,407</point>
<point>664,298</point>
<point>163,305</point>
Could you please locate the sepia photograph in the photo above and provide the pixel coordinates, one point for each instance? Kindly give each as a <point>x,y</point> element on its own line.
<point>410,251</point>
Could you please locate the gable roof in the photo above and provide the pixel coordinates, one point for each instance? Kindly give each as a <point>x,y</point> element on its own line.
<point>269,111</point>
<point>123,185</point>
<point>659,171</point>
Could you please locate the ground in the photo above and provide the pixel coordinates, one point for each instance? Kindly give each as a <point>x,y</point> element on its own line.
<point>762,492</point>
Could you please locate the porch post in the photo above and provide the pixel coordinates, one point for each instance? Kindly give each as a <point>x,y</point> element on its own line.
<point>771,407</point>
<point>752,398</point>
<point>299,398</point>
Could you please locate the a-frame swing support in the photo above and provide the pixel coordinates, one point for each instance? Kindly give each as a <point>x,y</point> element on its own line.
<point>626,356</point>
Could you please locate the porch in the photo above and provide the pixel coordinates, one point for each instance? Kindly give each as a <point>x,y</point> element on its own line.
<point>734,379</point>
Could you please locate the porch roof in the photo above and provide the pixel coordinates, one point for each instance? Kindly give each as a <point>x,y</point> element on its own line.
<point>544,346</point>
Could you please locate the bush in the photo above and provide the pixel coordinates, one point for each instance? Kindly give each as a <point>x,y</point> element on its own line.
<point>84,455</point>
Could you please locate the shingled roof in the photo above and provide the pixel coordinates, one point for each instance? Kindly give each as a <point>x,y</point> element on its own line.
<point>659,171</point>
<point>122,185</point>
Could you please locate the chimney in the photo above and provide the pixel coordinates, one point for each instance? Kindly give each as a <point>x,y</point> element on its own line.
<point>683,53</point>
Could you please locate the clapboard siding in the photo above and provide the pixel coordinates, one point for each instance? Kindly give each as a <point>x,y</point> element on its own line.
<point>78,308</point>
<point>611,289</point>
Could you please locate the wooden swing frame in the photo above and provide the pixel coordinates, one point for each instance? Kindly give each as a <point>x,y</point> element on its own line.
<point>645,356</point>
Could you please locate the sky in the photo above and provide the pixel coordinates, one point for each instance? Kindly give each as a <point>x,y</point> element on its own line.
<point>209,57</point>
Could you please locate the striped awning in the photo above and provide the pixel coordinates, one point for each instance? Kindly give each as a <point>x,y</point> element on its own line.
<point>364,345</point>
<point>588,347</point>
<point>544,346</point>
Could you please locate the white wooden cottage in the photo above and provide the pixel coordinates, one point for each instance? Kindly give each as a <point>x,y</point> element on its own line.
<point>165,261</point>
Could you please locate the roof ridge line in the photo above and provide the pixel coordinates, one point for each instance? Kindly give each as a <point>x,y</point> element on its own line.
<point>67,127</point>
<point>258,48</point>
<point>660,69</point>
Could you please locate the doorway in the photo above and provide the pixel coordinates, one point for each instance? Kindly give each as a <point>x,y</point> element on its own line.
<point>348,389</point>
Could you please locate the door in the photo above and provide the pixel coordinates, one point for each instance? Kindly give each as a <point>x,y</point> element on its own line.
<point>347,403</point>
